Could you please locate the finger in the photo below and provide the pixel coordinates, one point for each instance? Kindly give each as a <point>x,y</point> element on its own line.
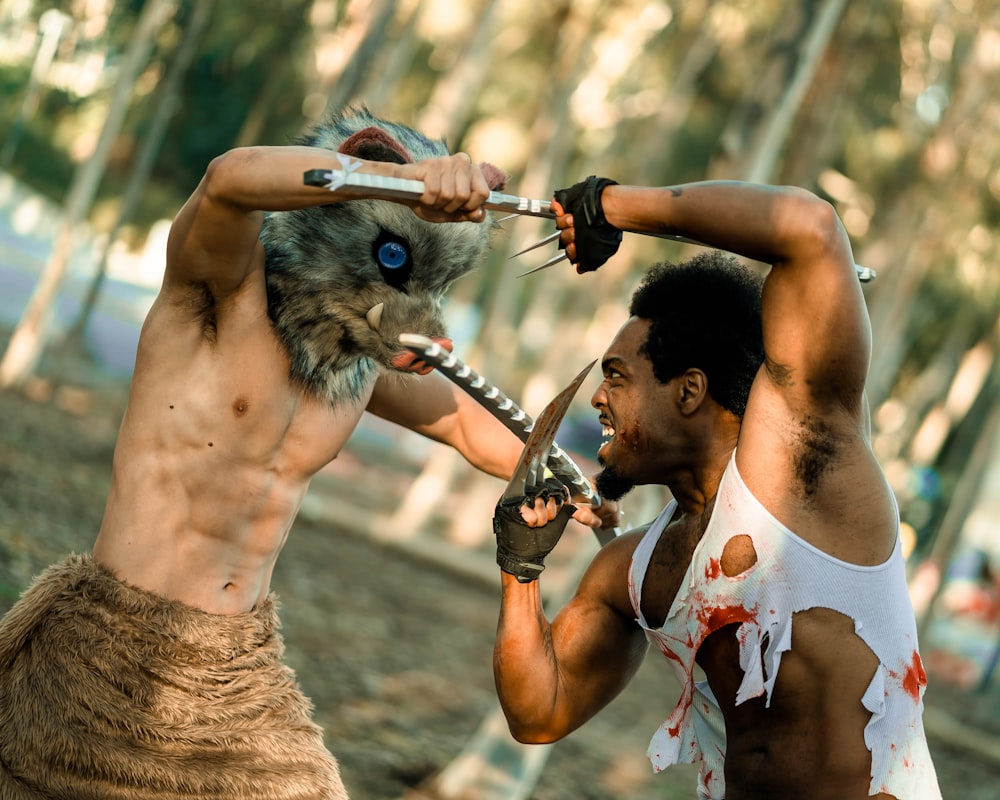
<point>431,178</point>
<point>458,182</point>
<point>479,191</point>
<point>532,515</point>
<point>585,516</point>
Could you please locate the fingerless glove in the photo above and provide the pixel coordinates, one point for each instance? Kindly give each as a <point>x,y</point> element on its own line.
<point>596,239</point>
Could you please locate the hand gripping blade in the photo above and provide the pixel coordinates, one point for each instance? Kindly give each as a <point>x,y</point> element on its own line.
<point>530,471</point>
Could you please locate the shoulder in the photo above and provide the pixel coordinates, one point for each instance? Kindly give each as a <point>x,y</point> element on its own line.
<point>606,579</point>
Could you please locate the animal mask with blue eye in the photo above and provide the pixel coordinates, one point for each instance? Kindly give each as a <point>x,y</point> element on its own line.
<point>393,259</point>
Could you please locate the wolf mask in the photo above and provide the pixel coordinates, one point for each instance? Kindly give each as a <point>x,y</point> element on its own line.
<point>345,279</point>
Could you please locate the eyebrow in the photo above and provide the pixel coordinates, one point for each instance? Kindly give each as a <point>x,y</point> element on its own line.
<point>610,362</point>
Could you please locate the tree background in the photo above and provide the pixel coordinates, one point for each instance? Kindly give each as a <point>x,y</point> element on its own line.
<point>110,111</point>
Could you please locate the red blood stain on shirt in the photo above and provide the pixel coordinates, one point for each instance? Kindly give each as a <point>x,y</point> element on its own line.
<point>712,619</point>
<point>914,678</point>
<point>713,569</point>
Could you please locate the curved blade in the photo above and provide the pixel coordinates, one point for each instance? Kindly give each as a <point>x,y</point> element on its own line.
<point>530,470</point>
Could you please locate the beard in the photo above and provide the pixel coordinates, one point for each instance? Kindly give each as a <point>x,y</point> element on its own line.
<point>612,484</point>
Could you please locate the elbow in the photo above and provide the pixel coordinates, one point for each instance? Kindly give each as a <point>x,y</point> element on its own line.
<point>820,224</point>
<point>526,734</point>
<point>223,173</point>
<point>528,723</point>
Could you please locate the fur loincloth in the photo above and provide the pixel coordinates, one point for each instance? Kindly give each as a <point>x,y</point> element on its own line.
<point>108,691</point>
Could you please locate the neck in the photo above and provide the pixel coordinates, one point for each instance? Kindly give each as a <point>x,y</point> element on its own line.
<point>694,484</point>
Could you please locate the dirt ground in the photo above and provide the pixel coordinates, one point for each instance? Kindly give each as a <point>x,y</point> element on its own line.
<point>392,643</point>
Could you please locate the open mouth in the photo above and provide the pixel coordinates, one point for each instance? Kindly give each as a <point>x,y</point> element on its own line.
<point>608,434</point>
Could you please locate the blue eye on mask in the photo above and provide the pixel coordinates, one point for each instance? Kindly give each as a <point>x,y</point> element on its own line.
<point>392,257</point>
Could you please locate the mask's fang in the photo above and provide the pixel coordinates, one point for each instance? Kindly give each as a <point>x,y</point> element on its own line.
<point>546,265</point>
<point>374,316</point>
<point>544,241</point>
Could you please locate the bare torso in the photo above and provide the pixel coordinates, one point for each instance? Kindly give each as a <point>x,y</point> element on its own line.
<point>215,452</point>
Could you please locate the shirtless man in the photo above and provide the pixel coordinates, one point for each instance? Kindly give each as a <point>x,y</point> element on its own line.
<point>777,567</point>
<point>152,669</point>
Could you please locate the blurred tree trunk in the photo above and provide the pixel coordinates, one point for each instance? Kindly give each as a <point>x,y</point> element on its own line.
<point>51,25</point>
<point>28,340</point>
<point>360,37</point>
<point>659,152</point>
<point>384,78</point>
<point>165,104</point>
<point>453,100</point>
<point>979,444</point>
<point>752,143</point>
<point>953,164</point>
<point>278,78</point>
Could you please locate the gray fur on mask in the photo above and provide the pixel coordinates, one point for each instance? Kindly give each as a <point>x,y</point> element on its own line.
<point>323,272</point>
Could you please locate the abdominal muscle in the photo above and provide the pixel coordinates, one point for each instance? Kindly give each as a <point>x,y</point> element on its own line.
<point>209,472</point>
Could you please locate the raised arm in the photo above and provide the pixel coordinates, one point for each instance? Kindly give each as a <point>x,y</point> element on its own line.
<point>816,328</point>
<point>214,238</point>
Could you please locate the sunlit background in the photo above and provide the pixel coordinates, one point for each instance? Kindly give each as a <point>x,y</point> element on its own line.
<point>110,111</point>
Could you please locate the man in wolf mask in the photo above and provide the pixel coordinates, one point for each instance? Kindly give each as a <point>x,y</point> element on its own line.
<point>152,668</point>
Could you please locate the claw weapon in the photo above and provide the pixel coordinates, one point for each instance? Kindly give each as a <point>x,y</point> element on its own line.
<point>531,467</point>
<point>508,412</point>
<point>401,189</point>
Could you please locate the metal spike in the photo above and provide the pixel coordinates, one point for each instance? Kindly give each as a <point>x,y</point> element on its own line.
<point>546,265</point>
<point>543,242</point>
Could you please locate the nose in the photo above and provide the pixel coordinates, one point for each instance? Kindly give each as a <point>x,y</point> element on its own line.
<point>599,399</point>
<point>410,362</point>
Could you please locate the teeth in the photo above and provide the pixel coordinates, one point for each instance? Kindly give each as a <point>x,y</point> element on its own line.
<point>607,432</point>
<point>374,316</point>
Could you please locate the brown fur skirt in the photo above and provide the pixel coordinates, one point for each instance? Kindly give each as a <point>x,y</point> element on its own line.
<point>109,692</point>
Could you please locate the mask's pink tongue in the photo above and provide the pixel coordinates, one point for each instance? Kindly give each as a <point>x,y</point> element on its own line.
<point>411,362</point>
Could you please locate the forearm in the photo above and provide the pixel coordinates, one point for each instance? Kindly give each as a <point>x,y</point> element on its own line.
<point>524,665</point>
<point>553,677</point>
<point>270,178</point>
<point>766,223</point>
<point>434,407</point>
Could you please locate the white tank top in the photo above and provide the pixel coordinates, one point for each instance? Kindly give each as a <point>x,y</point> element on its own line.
<point>790,575</point>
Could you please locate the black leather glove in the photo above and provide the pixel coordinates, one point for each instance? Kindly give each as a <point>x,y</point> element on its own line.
<point>521,550</point>
<point>596,238</point>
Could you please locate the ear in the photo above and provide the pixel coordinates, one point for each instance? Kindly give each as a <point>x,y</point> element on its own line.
<point>374,144</point>
<point>692,389</point>
<point>496,178</point>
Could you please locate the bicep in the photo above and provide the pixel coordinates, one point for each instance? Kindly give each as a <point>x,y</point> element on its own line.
<point>598,643</point>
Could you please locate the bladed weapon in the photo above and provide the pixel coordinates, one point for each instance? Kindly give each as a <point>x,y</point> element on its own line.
<point>402,189</point>
<point>489,396</point>
<point>531,467</point>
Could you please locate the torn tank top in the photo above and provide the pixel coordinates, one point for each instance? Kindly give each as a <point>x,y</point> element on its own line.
<point>790,575</point>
